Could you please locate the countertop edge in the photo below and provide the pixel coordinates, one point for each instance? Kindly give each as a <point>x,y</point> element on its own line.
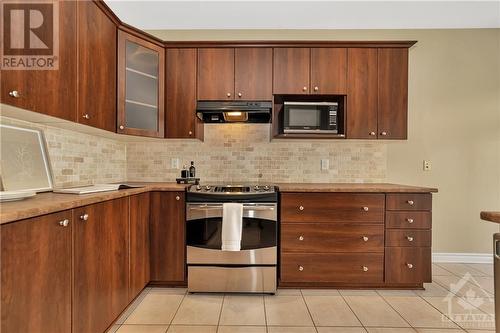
<point>491,216</point>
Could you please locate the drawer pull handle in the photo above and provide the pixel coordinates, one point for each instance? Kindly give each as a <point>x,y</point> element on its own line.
<point>410,266</point>
<point>301,268</point>
<point>177,198</point>
<point>301,207</point>
<point>301,238</point>
<point>14,93</point>
<point>64,223</point>
<point>84,217</point>
<point>365,238</point>
<point>365,269</point>
<point>366,209</point>
<point>411,202</point>
<point>409,238</point>
<point>409,220</point>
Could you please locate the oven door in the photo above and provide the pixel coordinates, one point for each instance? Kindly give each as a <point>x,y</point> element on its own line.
<point>258,241</point>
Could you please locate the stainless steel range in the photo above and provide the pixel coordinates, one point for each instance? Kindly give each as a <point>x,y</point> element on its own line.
<point>253,268</point>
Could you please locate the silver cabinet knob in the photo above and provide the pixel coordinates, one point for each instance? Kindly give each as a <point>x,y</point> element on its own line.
<point>365,238</point>
<point>316,88</point>
<point>301,268</point>
<point>64,223</point>
<point>301,207</point>
<point>366,209</point>
<point>122,127</point>
<point>372,133</point>
<point>240,94</point>
<point>190,133</point>
<point>410,266</point>
<point>304,88</point>
<point>409,238</point>
<point>411,202</point>
<point>86,116</point>
<point>14,93</point>
<point>301,238</point>
<point>228,94</point>
<point>365,269</point>
<point>84,217</point>
<point>177,198</point>
<point>409,220</point>
<point>383,133</point>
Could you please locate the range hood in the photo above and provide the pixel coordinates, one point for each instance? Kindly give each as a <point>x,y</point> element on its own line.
<point>234,111</point>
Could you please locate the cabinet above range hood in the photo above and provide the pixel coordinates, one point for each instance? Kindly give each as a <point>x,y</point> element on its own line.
<point>234,111</point>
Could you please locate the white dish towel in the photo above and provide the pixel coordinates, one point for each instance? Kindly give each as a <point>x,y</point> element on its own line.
<point>232,225</point>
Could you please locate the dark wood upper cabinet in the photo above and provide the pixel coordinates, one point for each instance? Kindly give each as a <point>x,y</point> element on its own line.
<point>168,239</point>
<point>329,71</point>
<point>180,91</point>
<point>215,74</point>
<point>51,92</point>
<point>96,65</point>
<point>139,243</point>
<point>36,274</point>
<point>100,264</point>
<point>141,75</point>
<point>392,93</point>
<point>253,74</point>
<point>362,91</point>
<point>291,71</point>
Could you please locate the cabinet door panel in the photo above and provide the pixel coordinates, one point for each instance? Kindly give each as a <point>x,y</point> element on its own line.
<point>181,120</point>
<point>362,93</point>
<point>328,71</point>
<point>168,239</point>
<point>141,67</point>
<point>253,74</point>
<point>96,67</point>
<point>36,275</point>
<point>408,265</point>
<point>139,243</point>
<point>215,74</point>
<point>393,93</point>
<point>101,264</point>
<point>291,70</point>
<point>51,92</point>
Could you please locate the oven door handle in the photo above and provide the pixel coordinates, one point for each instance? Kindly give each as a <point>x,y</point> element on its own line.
<point>245,207</point>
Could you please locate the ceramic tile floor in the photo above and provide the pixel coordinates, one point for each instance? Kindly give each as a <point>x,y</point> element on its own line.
<point>458,300</point>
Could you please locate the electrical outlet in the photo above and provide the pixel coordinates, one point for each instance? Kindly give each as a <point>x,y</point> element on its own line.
<point>174,163</point>
<point>427,165</point>
<point>325,164</point>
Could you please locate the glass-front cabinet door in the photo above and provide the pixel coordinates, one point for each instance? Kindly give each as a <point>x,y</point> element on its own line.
<point>141,66</point>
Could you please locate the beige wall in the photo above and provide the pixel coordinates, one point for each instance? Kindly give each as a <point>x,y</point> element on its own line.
<point>454,121</point>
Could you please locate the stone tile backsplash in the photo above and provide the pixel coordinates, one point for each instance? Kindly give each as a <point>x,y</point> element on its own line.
<point>230,153</point>
<point>243,152</point>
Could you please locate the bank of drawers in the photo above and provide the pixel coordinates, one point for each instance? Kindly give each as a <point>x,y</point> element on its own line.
<point>332,237</point>
<point>408,238</point>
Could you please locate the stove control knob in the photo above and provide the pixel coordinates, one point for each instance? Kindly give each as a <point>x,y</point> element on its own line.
<point>256,187</point>
<point>198,188</point>
<point>207,188</point>
<point>266,188</point>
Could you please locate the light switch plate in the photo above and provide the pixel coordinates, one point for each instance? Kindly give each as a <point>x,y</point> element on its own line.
<point>174,163</point>
<point>325,164</point>
<point>427,165</point>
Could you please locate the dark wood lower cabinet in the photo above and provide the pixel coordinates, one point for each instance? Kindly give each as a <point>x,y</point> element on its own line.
<point>139,243</point>
<point>168,239</point>
<point>408,265</point>
<point>36,274</point>
<point>101,264</point>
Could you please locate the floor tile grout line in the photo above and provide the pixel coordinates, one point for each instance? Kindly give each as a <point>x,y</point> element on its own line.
<point>350,308</point>
<point>399,314</point>
<point>459,327</point>
<point>177,310</point>
<point>220,312</point>
<point>265,312</point>
<point>308,311</point>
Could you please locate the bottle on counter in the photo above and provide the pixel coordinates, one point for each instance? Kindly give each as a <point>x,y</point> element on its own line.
<point>192,170</point>
<point>184,171</point>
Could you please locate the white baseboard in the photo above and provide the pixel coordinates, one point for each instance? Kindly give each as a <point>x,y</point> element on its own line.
<point>469,258</point>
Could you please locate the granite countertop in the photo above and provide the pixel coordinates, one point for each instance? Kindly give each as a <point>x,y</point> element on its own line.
<point>353,187</point>
<point>491,216</point>
<point>46,203</point>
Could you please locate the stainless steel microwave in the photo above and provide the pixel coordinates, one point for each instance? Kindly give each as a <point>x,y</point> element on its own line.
<point>310,117</point>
